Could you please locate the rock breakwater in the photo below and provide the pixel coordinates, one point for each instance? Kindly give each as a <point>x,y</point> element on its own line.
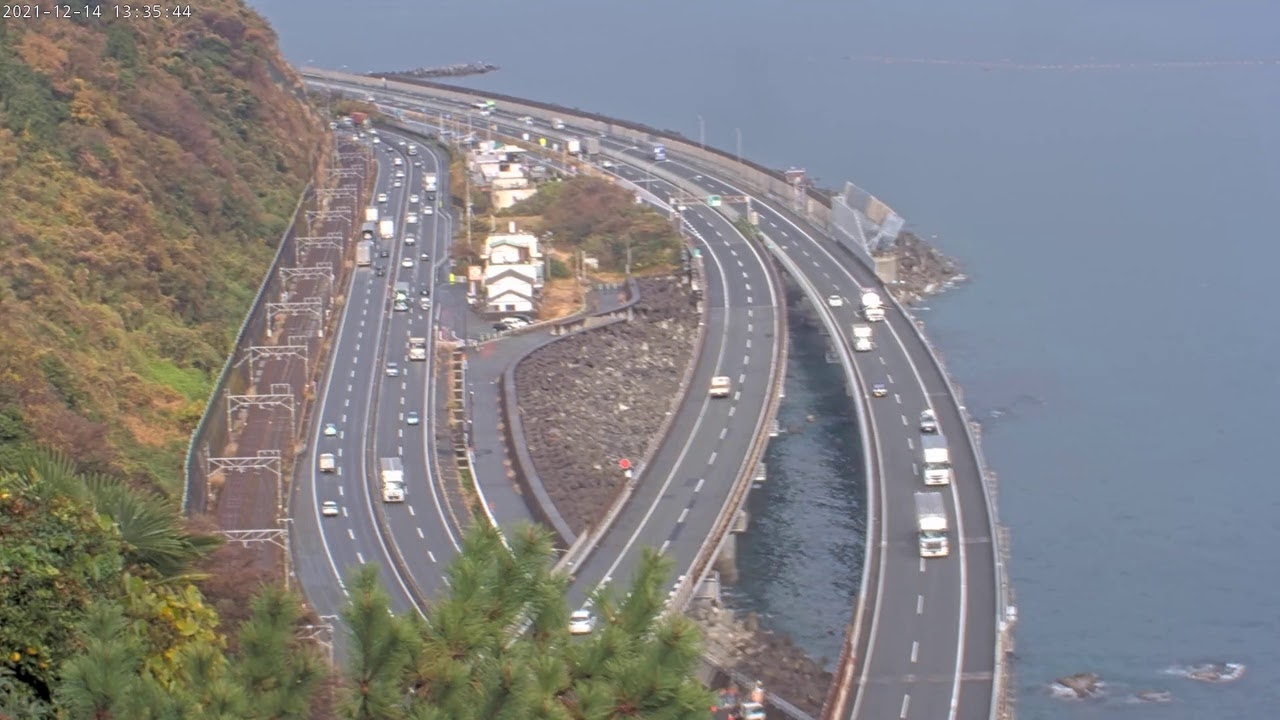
<point>738,641</point>
<point>922,269</point>
<point>591,399</point>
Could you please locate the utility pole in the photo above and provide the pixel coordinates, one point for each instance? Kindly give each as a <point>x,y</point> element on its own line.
<point>702,133</point>
<point>739,130</point>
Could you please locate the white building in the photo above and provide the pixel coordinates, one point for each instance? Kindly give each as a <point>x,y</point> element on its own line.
<point>500,169</point>
<point>513,272</point>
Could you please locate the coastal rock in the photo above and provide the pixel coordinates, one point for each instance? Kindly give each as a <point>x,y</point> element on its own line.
<point>1080,686</point>
<point>922,269</point>
<point>593,398</point>
<point>741,644</point>
<point>1210,672</point>
<point>1153,696</point>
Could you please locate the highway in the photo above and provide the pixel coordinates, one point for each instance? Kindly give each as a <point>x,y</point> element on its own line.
<point>691,475</point>
<point>368,409</point>
<point>929,651</point>
<point>929,648</point>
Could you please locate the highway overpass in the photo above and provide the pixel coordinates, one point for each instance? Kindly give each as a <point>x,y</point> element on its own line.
<point>929,640</point>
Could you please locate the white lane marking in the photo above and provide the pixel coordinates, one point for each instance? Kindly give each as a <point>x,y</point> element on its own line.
<point>898,398</point>
<point>750,312</point>
<point>411,511</point>
<point>749,300</point>
<point>746,359</point>
<point>919,604</point>
<point>740,263</point>
<point>746,285</point>
<point>911,443</point>
<point>741,379</point>
<point>737,395</point>
<point>431,555</point>
<point>698,487</point>
<point>906,703</point>
<point>889,377</point>
<point>922,565</point>
<point>915,650</point>
<point>349,387</point>
<point>360,557</point>
<point>723,432</point>
<point>748,342</point>
<point>663,550</point>
<point>904,422</point>
<point>424,537</point>
<point>732,408</point>
<point>351,533</point>
<point>340,491</point>
<point>345,513</point>
<point>400,432</point>
<point>346,402</point>
<point>683,514</point>
<point>711,460</point>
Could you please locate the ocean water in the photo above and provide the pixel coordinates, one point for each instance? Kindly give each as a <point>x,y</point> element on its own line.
<point>1115,214</point>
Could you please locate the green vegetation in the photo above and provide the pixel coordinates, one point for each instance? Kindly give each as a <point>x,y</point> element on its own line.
<point>467,660</point>
<point>99,619</point>
<point>602,220</point>
<point>147,170</point>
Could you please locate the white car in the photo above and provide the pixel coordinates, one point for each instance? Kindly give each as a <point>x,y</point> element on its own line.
<point>835,301</point>
<point>329,508</point>
<point>428,210</point>
<point>606,164</point>
<point>397,184</point>
<point>402,143</point>
<point>413,198</point>
<point>581,622</point>
<point>409,239</point>
<point>406,263</point>
<point>382,198</point>
<point>412,418</point>
<point>399,174</point>
<point>411,219</point>
<point>330,430</point>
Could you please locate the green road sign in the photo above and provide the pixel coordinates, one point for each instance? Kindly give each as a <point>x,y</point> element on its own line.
<point>713,201</point>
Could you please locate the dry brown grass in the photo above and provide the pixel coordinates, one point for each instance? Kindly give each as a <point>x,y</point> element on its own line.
<point>561,297</point>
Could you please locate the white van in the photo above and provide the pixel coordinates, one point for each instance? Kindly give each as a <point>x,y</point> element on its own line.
<point>327,463</point>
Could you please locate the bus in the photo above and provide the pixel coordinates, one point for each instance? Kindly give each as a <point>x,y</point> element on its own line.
<point>400,300</point>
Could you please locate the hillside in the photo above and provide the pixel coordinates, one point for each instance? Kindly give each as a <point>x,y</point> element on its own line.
<point>147,169</point>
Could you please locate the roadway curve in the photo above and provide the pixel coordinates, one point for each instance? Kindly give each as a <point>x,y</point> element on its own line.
<point>930,648</point>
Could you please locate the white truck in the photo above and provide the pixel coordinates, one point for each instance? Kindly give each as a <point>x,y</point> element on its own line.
<point>720,386</point>
<point>557,124</point>
<point>371,214</point>
<point>364,253</point>
<point>327,463</point>
<point>392,479</point>
<point>413,149</point>
<point>937,460</point>
<point>398,162</point>
<point>387,229</point>
<point>872,306</point>
<point>417,348</point>
<point>369,231</point>
<point>931,524</point>
<point>573,146</point>
<point>429,182</point>
<point>862,338</point>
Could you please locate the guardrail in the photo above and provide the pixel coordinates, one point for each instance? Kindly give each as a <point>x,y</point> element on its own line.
<point>813,204</point>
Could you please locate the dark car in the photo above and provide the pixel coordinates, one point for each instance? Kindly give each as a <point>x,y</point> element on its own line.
<point>424,292</point>
<point>380,271</point>
<point>431,197</point>
<point>384,253</point>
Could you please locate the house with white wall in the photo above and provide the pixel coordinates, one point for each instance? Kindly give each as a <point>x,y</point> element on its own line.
<point>513,272</point>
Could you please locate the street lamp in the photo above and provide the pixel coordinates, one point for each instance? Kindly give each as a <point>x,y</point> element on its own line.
<point>702,133</point>
<point>739,131</point>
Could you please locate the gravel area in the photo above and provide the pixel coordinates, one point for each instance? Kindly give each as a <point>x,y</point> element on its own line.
<point>590,399</point>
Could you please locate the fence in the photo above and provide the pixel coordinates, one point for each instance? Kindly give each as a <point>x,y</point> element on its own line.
<point>862,223</point>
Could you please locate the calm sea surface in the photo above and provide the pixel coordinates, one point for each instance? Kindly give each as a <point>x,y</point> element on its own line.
<point>1118,340</point>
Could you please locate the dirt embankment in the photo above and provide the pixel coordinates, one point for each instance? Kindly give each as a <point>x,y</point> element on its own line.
<point>593,398</point>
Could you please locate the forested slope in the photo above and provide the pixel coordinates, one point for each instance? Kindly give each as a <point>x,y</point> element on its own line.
<point>147,168</point>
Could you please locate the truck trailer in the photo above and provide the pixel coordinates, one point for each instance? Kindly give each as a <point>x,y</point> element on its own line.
<point>369,231</point>
<point>573,146</point>
<point>931,524</point>
<point>429,182</point>
<point>862,338</point>
<point>417,348</point>
<point>371,214</point>
<point>364,253</point>
<point>392,478</point>
<point>937,459</point>
<point>872,306</point>
<point>387,229</point>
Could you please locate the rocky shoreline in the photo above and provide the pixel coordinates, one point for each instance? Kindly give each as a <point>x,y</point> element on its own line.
<point>739,642</point>
<point>593,398</point>
<point>922,269</point>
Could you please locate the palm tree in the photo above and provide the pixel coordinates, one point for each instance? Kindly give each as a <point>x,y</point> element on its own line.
<point>279,674</point>
<point>380,648</point>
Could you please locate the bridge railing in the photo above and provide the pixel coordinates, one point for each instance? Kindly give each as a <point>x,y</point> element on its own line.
<point>857,219</point>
